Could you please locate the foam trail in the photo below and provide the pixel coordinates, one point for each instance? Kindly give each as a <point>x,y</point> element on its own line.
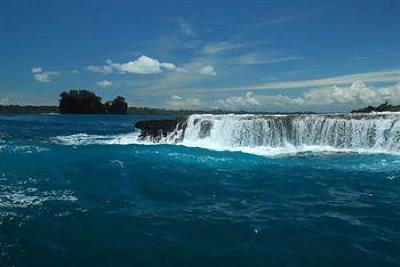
<point>83,139</point>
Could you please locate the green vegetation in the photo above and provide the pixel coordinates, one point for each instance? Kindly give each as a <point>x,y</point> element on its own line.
<point>86,102</point>
<point>117,106</point>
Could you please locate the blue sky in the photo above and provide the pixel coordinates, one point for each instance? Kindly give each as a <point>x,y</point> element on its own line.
<point>235,55</point>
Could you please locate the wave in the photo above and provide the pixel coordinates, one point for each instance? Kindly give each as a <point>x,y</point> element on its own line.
<point>283,134</point>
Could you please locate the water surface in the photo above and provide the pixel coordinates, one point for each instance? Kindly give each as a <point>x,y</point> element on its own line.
<point>80,191</point>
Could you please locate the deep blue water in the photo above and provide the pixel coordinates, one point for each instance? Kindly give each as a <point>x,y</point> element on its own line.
<point>70,197</point>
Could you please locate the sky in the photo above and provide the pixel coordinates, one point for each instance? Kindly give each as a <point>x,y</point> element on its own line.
<point>251,55</point>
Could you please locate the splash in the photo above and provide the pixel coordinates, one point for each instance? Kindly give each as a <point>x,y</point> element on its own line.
<point>278,134</point>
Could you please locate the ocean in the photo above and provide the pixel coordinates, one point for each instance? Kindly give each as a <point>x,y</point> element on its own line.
<point>82,190</point>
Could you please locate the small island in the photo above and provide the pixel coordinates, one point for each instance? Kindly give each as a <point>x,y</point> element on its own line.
<point>86,102</point>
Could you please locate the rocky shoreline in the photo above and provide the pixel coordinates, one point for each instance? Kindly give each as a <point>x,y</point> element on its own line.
<point>157,129</point>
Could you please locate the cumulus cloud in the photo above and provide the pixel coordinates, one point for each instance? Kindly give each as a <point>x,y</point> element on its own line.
<point>248,101</point>
<point>356,94</point>
<point>43,76</point>
<point>141,65</point>
<point>168,66</point>
<point>208,70</point>
<point>104,84</point>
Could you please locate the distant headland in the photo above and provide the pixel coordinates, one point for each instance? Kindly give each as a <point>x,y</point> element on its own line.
<point>381,108</point>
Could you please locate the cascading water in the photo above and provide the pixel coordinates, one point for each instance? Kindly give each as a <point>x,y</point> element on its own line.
<point>266,134</point>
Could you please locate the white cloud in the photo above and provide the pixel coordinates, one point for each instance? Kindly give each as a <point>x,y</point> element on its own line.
<point>255,59</point>
<point>106,69</point>
<point>43,76</point>
<point>176,97</point>
<point>248,101</point>
<point>218,47</point>
<point>168,66</point>
<point>104,84</point>
<point>356,94</point>
<point>141,65</point>
<point>178,102</point>
<point>37,69</point>
<point>366,77</point>
<point>208,70</point>
<point>182,76</point>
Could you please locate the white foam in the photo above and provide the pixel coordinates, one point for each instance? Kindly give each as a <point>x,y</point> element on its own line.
<point>23,149</point>
<point>290,134</point>
<point>91,139</point>
<point>20,197</point>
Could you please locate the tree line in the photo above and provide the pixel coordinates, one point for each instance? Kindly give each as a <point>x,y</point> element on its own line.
<point>87,102</point>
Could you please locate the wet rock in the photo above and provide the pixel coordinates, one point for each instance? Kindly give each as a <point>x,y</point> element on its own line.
<point>157,129</point>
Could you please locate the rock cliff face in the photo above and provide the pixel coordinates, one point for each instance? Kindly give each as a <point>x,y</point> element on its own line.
<point>157,129</point>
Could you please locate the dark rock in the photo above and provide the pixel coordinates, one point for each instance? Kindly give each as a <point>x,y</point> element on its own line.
<point>205,128</point>
<point>156,129</point>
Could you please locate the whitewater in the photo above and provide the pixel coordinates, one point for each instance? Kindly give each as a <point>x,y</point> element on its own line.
<point>274,134</point>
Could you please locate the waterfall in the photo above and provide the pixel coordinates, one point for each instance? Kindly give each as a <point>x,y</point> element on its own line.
<point>375,133</point>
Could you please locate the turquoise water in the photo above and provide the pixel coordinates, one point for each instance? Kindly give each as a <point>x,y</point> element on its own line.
<point>79,191</point>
